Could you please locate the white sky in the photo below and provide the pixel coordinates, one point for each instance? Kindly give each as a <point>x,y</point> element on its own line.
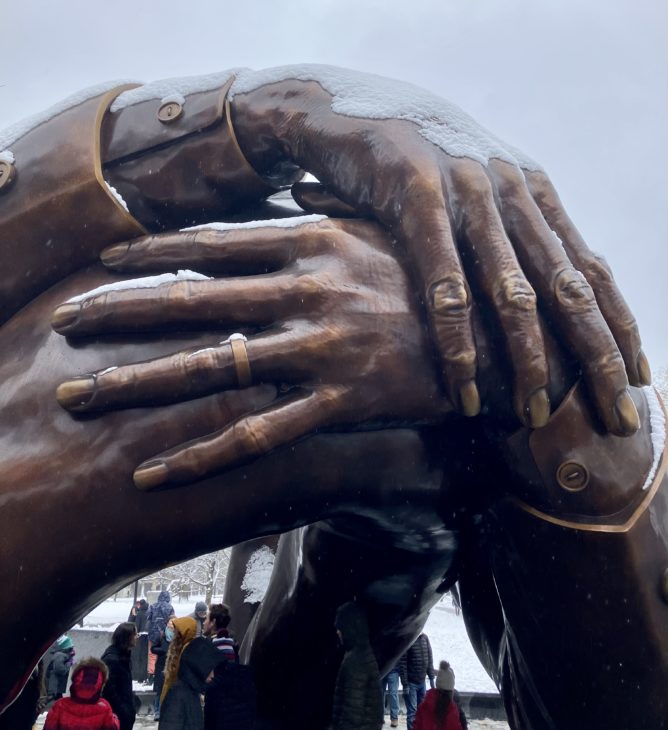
<point>580,86</point>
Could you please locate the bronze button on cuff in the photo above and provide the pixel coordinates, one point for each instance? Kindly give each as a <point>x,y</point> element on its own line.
<point>7,174</point>
<point>572,476</point>
<point>170,112</point>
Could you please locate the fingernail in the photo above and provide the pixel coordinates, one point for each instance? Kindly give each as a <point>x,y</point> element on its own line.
<point>644,371</point>
<point>65,315</point>
<point>75,394</point>
<point>469,399</point>
<point>114,254</point>
<point>627,415</point>
<point>537,408</point>
<point>151,474</point>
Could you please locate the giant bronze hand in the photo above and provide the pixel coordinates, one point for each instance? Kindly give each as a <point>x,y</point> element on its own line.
<point>475,214</point>
<point>334,325</point>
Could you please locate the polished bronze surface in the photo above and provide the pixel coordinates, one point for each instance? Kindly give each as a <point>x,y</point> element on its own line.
<point>7,175</point>
<point>344,426</point>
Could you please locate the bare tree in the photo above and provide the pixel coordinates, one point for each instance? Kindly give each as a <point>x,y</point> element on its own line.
<point>206,574</point>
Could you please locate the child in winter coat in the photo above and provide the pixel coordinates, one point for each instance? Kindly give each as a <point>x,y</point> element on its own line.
<point>84,709</point>
<point>438,710</point>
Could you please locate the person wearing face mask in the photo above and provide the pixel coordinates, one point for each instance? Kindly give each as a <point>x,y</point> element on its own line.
<point>184,630</point>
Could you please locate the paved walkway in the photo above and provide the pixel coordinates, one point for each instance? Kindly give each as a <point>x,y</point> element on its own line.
<point>147,723</point>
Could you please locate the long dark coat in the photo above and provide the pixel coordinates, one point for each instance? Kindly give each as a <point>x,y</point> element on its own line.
<point>118,689</point>
<point>181,708</point>
<point>358,700</point>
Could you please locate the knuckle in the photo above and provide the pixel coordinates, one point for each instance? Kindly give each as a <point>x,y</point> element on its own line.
<point>514,292</point>
<point>598,271</point>
<point>449,298</point>
<point>572,290</point>
<point>250,437</point>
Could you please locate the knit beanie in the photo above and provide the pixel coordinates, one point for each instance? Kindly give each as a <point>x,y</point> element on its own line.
<point>445,678</point>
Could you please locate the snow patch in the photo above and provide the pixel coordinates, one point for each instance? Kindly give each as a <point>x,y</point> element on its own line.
<point>657,423</point>
<point>165,88</point>
<point>14,132</point>
<point>7,156</point>
<point>174,98</point>
<point>117,196</point>
<point>367,96</point>
<point>298,220</point>
<point>258,573</point>
<point>145,282</point>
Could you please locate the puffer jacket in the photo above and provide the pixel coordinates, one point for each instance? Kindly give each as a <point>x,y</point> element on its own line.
<point>84,709</point>
<point>158,615</point>
<point>417,663</point>
<point>358,700</point>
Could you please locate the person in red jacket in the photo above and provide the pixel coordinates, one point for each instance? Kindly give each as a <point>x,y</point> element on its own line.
<point>438,710</point>
<point>84,709</point>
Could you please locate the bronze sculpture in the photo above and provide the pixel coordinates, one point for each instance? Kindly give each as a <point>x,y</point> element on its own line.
<point>396,481</point>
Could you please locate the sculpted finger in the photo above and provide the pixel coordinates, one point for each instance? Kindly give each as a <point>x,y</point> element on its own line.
<point>237,362</point>
<point>569,302</point>
<point>315,198</point>
<point>507,290</point>
<point>223,248</point>
<point>597,272</point>
<point>425,228</point>
<point>251,437</point>
<point>187,298</point>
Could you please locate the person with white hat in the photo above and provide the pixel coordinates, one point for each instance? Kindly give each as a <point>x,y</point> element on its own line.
<point>438,710</point>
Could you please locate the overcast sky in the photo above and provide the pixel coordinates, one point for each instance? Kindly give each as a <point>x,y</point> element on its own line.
<point>581,86</point>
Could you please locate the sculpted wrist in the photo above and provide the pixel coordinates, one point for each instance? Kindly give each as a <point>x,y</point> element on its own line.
<point>175,159</point>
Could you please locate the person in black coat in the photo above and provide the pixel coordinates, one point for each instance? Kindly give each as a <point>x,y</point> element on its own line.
<point>416,664</point>
<point>358,697</point>
<point>139,661</point>
<point>118,689</point>
<point>182,709</point>
<point>230,701</point>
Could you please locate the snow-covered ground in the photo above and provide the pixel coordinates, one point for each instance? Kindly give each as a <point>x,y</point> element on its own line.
<point>444,628</point>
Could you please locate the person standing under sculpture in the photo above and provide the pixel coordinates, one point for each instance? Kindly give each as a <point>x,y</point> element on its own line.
<point>358,701</point>
<point>416,664</point>
<point>58,667</point>
<point>158,614</point>
<point>160,651</point>
<point>200,614</point>
<point>182,707</point>
<point>438,710</point>
<point>139,617</point>
<point>185,629</point>
<point>85,708</point>
<point>230,700</point>
<point>390,685</point>
<point>118,689</point>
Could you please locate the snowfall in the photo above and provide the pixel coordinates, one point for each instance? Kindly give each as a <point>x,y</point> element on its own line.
<point>445,629</point>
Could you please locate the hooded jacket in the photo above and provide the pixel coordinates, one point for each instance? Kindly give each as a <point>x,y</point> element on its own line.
<point>158,615</point>
<point>181,709</point>
<point>358,701</point>
<point>84,709</point>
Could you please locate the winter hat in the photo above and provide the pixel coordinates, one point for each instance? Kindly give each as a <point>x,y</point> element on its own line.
<point>88,678</point>
<point>64,643</point>
<point>445,678</point>
<point>201,607</point>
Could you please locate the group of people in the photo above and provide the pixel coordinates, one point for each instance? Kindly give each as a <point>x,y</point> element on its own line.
<point>359,691</point>
<point>195,657</point>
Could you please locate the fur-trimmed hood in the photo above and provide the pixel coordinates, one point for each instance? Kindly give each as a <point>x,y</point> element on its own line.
<point>88,679</point>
